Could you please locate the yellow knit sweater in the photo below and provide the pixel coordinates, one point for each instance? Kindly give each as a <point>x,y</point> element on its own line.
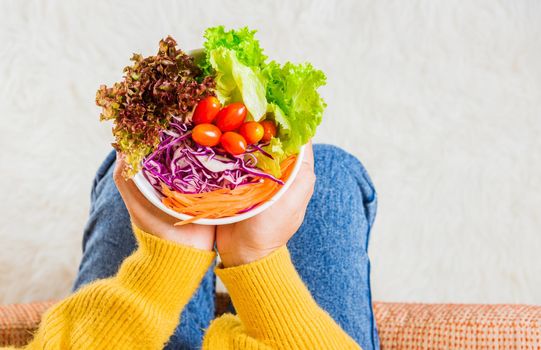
<point>140,307</point>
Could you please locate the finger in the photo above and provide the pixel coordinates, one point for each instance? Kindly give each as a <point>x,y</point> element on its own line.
<point>127,188</point>
<point>308,159</point>
<point>302,187</point>
<point>306,176</point>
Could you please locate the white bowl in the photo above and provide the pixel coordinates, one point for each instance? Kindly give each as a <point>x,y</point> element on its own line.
<point>155,197</point>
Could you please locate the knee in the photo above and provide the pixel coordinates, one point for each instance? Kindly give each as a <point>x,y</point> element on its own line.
<point>105,167</point>
<point>107,196</point>
<point>335,164</point>
<point>107,207</point>
<point>340,171</point>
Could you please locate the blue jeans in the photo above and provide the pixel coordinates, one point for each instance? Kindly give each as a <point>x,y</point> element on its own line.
<point>329,250</point>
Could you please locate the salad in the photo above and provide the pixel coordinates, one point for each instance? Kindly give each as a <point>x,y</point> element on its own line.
<point>216,133</point>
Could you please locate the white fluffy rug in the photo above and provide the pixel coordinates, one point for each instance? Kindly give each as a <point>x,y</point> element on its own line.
<point>440,99</point>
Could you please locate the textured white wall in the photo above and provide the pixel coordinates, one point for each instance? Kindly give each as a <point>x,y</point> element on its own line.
<point>440,99</point>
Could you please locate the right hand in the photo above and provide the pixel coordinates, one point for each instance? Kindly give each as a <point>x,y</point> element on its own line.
<point>154,221</point>
<point>252,239</point>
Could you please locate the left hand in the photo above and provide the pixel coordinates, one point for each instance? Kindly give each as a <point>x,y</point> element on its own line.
<point>154,221</point>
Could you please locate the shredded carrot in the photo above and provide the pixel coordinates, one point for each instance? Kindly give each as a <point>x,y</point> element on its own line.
<point>225,202</point>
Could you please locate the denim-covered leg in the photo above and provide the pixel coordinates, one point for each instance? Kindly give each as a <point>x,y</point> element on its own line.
<point>330,248</point>
<point>108,239</point>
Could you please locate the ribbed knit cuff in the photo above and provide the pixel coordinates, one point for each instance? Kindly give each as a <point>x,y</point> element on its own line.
<point>271,299</point>
<point>164,271</point>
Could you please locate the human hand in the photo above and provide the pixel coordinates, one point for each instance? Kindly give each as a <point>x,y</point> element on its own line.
<point>154,221</point>
<point>252,239</point>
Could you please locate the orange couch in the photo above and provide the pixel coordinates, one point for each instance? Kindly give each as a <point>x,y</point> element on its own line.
<point>400,325</point>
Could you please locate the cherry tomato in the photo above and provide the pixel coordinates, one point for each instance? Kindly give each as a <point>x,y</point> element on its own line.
<point>206,134</point>
<point>233,143</point>
<point>206,110</point>
<point>252,132</point>
<point>269,130</point>
<point>231,117</point>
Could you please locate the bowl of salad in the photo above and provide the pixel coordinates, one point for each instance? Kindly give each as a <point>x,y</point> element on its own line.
<point>215,135</point>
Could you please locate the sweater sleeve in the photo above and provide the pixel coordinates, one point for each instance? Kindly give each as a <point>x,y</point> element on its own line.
<point>139,308</point>
<point>275,310</point>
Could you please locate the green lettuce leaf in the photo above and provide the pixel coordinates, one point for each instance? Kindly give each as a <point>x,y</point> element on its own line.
<point>236,82</point>
<point>274,112</point>
<point>272,166</point>
<point>297,106</point>
<point>241,41</point>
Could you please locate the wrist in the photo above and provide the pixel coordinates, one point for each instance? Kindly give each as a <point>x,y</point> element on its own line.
<point>187,239</point>
<point>178,235</point>
<point>242,256</point>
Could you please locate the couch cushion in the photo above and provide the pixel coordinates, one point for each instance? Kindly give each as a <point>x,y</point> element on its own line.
<point>19,321</point>
<point>457,326</point>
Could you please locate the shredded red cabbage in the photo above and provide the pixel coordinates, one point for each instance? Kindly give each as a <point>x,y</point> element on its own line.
<point>186,167</point>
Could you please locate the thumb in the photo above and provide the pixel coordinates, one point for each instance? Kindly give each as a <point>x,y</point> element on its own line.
<point>127,188</point>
